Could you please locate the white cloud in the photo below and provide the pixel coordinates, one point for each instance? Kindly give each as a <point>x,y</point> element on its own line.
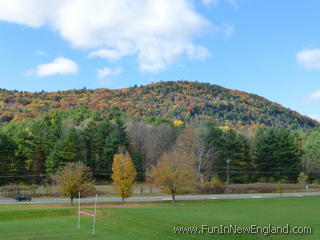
<point>216,2</point>
<point>106,72</point>
<point>315,96</point>
<point>156,31</point>
<point>309,59</point>
<point>60,65</point>
<point>209,2</point>
<point>123,49</point>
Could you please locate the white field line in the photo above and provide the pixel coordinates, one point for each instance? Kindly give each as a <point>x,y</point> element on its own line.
<point>256,197</point>
<point>167,199</point>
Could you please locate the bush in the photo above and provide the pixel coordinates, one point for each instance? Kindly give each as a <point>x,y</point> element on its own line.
<point>272,180</point>
<point>284,180</point>
<point>251,187</point>
<point>264,187</point>
<point>303,178</point>
<point>214,186</point>
<point>262,180</point>
<point>316,182</point>
<point>11,190</point>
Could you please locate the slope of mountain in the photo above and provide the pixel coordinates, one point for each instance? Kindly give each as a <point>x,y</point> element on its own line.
<point>174,100</point>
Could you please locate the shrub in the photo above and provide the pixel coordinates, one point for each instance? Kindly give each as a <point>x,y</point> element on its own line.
<point>262,180</point>
<point>303,178</point>
<point>316,182</point>
<point>214,186</point>
<point>272,180</point>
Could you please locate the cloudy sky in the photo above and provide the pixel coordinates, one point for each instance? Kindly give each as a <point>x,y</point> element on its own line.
<point>267,47</point>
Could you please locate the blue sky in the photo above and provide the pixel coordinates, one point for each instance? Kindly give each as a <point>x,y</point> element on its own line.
<point>267,47</point>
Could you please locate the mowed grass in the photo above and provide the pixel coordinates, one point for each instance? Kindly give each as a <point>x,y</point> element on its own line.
<point>155,221</point>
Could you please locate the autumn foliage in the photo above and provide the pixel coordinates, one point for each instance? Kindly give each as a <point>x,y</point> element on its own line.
<point>72,179</point>
<point>123,175</point>
<point>179,101</point>
<point>175,172</point>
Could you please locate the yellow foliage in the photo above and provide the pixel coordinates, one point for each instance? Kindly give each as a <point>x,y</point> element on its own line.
<point>178,123</point>
<point>123,174</point>
<point>188,141</point>
<point>174,172</point>
<point>72,179</point>
<point>224,128</point>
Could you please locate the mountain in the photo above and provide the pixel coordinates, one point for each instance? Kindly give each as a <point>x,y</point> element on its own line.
<point>174,100</point>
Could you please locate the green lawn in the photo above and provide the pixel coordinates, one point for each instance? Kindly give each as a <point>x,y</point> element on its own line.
<point>155,221</point>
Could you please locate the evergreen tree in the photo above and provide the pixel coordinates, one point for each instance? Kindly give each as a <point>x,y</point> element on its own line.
<point>7,158</point>
<point>277,154</point>
<point>67,149</point>
<point>234,152</point>
<point>230,159</point>
<point>40,139</point>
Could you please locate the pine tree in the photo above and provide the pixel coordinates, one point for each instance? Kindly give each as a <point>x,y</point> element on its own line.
<point>277,154</point>
<point>67,149</point>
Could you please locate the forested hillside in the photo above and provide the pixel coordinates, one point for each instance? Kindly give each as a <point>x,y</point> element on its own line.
<point>173,100</point>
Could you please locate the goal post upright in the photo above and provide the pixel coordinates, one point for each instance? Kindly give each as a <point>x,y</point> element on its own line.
<point>79,211</point>
<point>94,215</point>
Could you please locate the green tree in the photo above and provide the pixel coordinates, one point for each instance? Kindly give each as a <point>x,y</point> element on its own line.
<point>103,137</point>
<point>230,154</point>
<point>67,149</point>
<point>116,139</point>
<point>277,154</point>
<point>39,140</point>
<point>234,152</point>
<point>7,158</point>
<point>16,132</point>
<point>311,156</point>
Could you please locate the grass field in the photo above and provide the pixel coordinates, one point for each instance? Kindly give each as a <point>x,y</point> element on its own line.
<point>155,221</point>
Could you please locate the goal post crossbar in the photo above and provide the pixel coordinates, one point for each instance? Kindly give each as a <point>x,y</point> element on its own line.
<point>94,215</point>
<point>88,214</point>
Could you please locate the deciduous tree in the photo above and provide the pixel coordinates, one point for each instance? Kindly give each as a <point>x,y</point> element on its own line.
<point>123,175</point>
<point>72,179</point>
<point>311,156</point>
<point>174,172</point>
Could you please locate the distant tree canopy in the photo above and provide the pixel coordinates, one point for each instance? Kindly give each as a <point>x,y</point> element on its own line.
<point>180,101</point>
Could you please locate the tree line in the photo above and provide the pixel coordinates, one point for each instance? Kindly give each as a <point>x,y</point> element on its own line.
<point>32,149</point>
